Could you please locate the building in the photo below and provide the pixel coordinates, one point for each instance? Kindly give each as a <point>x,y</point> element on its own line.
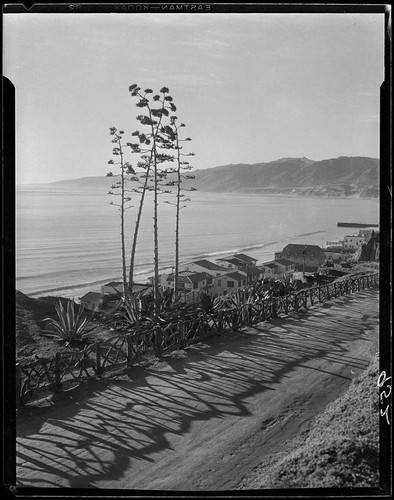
<point>253,274</point>
<point>353,242</point>
<point>305,257</point>
<point>245,259</point>
<point>91,301</point>
<point>228,283</point>
<point>286,267</point>
<point>333,253</point>
<point>114,287</point>
<point>279,268</point>
<point>270,270</point>
<point>187,281</point>
<point>230,263</point>
<point>205,266</point>
<point>243,263</point>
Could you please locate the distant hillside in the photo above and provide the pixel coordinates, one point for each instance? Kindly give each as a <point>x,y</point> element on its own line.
<point>344,176</point>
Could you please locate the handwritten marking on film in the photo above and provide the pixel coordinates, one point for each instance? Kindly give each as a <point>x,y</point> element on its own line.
<point>384,395</point>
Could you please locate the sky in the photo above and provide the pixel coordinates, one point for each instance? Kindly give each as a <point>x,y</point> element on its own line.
<point>250,88</point>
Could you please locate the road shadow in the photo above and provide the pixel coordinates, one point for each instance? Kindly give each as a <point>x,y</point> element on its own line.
<point>97,433</point>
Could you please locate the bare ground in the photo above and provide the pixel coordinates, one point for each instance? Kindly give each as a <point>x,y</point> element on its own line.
<point>203,418</point>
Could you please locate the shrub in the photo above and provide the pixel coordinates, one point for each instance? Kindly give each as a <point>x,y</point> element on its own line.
<point>70,326</point>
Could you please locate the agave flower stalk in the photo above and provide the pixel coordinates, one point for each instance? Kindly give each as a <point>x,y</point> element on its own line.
<point>125,168</point>
<point>153,138</point>
<point>173,134</point>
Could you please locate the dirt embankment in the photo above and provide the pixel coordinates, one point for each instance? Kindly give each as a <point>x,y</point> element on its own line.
<point>340,450</point>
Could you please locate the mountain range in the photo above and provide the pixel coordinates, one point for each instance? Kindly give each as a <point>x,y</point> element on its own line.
<point>355,176</point>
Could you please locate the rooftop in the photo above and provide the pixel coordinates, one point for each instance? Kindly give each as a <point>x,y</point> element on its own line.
<point>91,297</point>
<point>271,265</point>
<point>186,276</point>
<point>235,276</point>
<point>208,265</point>
<point>297,247</point>
<point>233,260</point>
<point>244,258</point>
<point>197,277</point>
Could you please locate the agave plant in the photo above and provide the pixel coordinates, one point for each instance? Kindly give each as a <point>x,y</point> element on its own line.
<point>70,325</point>
<point>133,309</point>
<point>207,304</point>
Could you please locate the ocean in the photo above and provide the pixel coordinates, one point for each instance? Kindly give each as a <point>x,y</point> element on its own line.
<point>68,239</point>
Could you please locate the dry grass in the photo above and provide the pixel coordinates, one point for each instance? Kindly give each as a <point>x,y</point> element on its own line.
<point>342,447</point>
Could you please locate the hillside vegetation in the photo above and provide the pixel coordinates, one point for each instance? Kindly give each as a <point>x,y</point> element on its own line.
<point>339,177</point>
<point>341,450</point>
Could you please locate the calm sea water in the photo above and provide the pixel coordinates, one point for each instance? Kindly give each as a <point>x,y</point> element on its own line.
<point>68,241</point>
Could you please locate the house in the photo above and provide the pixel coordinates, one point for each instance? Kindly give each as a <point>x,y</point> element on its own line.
<point>270,270</point>
<point>285,266</point>
<point>205,266</point>
<point>305,257</point>
<point>91,301</point>
<point>243,263</point>
<point>139,287</point>
<point>279,268</point>
<point>187,281</point>
<point>237,261</point>
<point>114,287</point>
<point>353,242</point>
<point>248,261</point>
<point>253,274</point>
<point>228,283</point>
<point>229,262</point>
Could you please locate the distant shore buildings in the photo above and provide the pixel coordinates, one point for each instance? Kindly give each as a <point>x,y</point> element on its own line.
<point>228,274</point>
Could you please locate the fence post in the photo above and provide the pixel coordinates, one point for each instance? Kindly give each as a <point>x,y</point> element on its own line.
<point>319,293</point>
<point>129,350</point>
<point>262,310</point>
<point>305,300</point>
<point>274,307</point>
<point>158,341</point>
<point>98,359</point>
<point>181,328</point>
<point>18,384</point>
<point>58,383</point>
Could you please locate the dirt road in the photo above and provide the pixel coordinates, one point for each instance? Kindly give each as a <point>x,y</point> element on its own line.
<point>204,417</point>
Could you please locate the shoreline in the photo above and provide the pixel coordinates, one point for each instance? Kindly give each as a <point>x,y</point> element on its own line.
<point>75,291</point>
<point>23,187</point>
<point>263,252</point>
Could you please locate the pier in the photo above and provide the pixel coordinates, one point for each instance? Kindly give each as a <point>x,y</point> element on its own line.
<point>355,224</point>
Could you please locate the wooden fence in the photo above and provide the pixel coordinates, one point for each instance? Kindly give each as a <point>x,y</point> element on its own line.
<point>124,350</point>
